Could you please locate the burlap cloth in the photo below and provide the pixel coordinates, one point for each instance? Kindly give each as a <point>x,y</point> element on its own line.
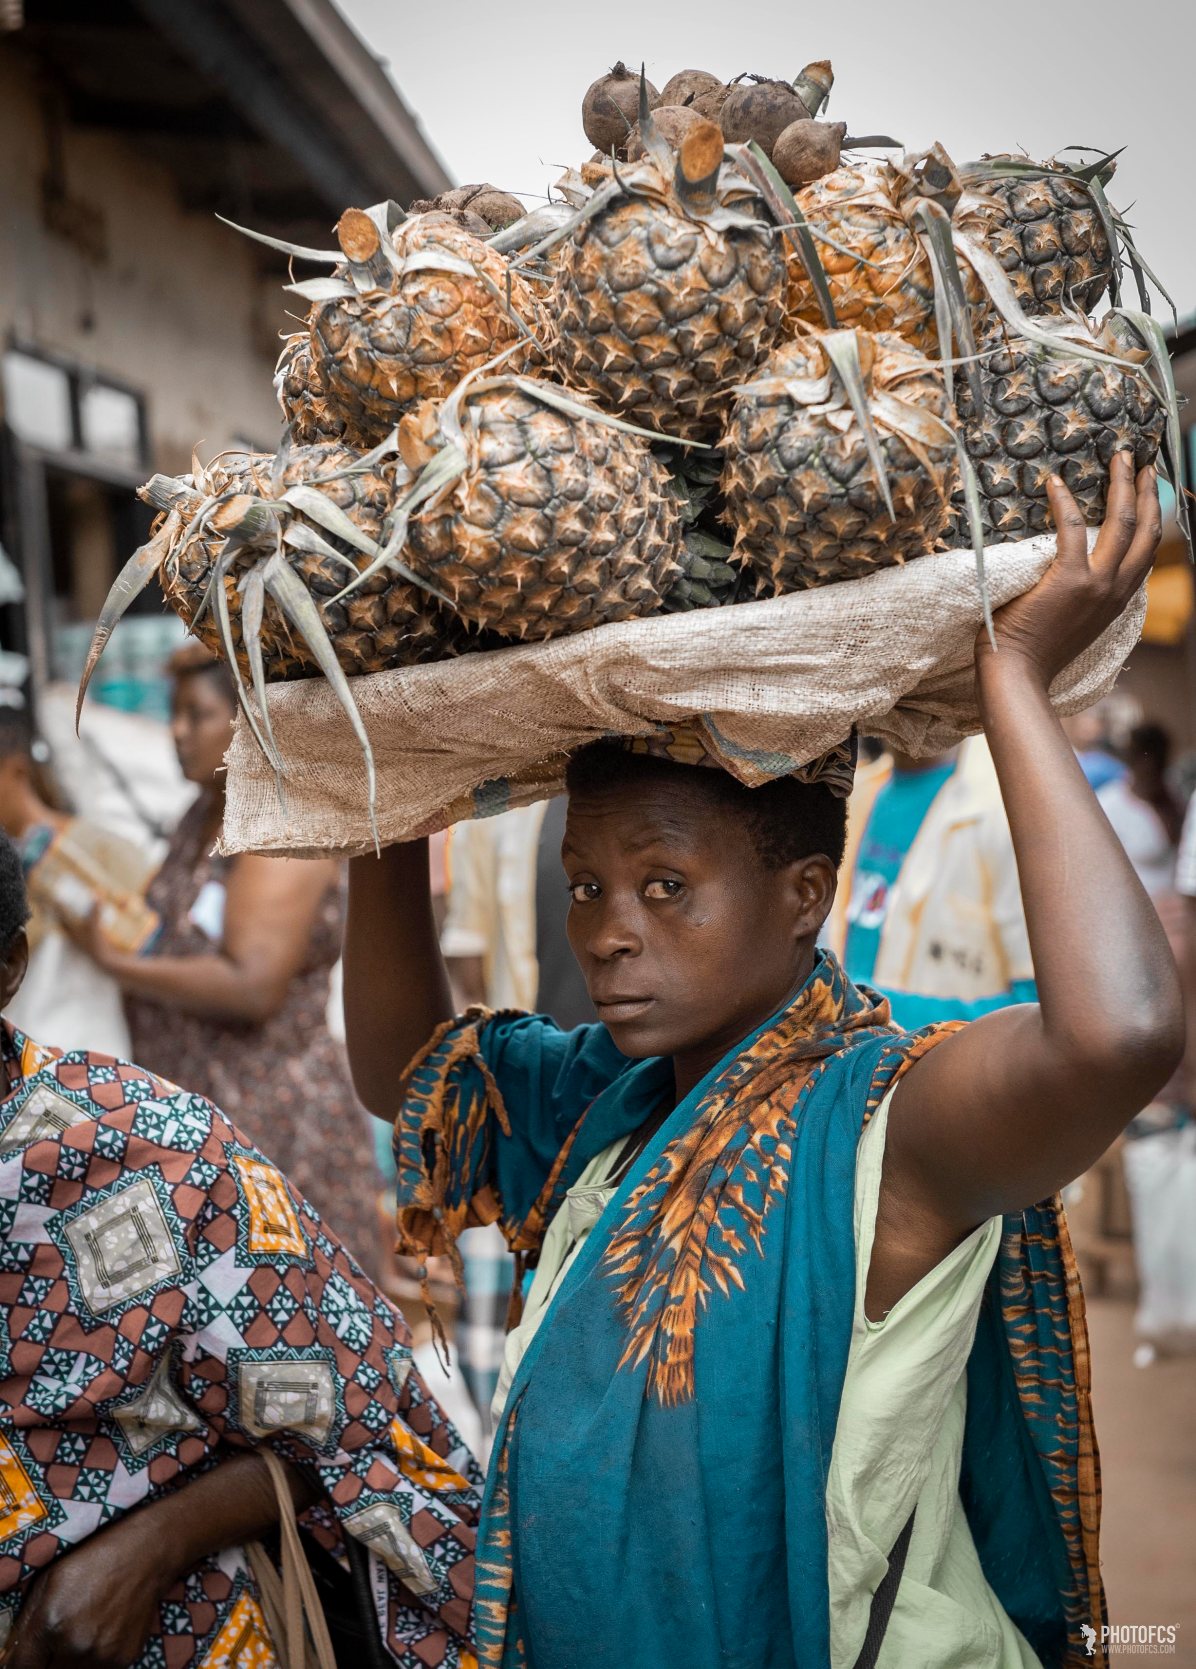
<point>771,683</point>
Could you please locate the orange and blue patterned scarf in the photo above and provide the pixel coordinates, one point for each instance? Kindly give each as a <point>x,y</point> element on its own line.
<point>657,1488</point>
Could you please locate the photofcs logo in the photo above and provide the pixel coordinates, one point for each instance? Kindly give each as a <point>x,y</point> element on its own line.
<point>1132,1639</point>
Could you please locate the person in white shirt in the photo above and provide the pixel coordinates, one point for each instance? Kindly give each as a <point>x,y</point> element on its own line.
<point>1144,812</point>
<point>65,998</point>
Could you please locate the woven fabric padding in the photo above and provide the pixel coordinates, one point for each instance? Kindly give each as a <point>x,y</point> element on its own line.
<point>772,684</point>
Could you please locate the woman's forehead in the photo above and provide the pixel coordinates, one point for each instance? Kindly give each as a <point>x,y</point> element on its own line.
<point>630,817</point>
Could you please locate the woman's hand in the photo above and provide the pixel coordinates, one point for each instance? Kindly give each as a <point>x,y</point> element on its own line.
<point>1080,595</point>
<point>96,1607</point>
<point>89,936</point>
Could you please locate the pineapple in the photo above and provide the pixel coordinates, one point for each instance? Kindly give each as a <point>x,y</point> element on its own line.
<point>870,234</point>
<point>301,394</point>
<point>417,310</point>
<point>672,290</point>
<point>1043,224</point>
<point>548,520</point>
<point>387,623</point>
<point>1047,413</point>
<point>801,479</point>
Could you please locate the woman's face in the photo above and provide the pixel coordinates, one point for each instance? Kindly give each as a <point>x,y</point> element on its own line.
<point>201,723</point>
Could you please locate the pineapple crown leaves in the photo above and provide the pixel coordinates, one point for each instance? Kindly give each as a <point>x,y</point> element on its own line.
<point>300,611</point>
<point>531,227</point>
<point>386,216</point>
<point>132,580</point>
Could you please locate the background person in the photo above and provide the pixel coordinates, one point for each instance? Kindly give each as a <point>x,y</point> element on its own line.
<point>64,995</point>
<point>1144,811</point>
<point>929,909</point>
<point>504,939</point>
<point>227,1321</point>
<point>232,997</point>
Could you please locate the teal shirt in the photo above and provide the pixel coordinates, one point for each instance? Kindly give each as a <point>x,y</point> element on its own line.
<point>897,814</point>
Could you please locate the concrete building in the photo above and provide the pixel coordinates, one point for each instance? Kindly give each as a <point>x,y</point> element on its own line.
<point>134,326</point>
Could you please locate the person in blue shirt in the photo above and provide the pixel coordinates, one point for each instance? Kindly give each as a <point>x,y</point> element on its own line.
<point>929,908</point>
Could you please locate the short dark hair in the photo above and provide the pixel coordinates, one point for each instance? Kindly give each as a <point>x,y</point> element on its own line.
<point>14,901</point>
<point>1153,741</point>
<point>194,660</point>
<point>786,819</point>
<point>16,733</point>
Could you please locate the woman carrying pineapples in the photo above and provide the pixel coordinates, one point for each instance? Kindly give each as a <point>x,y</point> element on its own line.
<point>801,1373</point>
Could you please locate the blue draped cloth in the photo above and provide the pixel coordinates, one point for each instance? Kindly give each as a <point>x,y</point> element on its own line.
<point>657,1488</point>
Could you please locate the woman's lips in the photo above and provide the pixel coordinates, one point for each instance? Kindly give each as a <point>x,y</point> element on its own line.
<point>622,1008</point>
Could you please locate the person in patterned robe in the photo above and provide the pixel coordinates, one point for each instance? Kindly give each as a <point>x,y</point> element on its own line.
<point>170,1305</point>
<point>801,1376</point>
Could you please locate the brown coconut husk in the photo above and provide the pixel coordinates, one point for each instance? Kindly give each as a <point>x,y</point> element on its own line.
<point>687,85</point>
<point>611,106</point>
<point>807,150</point>
<point>481,209</point>
<point>673,122</point>
<point>760,110</point>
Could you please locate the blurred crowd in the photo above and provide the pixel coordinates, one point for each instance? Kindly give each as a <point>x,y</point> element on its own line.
<point>222,973</point>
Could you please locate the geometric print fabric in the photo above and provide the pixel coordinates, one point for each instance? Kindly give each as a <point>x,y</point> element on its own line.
<point>166,1297</point>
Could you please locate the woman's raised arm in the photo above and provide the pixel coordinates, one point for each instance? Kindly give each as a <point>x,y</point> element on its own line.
<point>396,988</point>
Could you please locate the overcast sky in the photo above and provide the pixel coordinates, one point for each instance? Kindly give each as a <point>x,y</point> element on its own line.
<point>498,84</point>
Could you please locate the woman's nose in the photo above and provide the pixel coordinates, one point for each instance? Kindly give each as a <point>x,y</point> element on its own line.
<point>613,933</point>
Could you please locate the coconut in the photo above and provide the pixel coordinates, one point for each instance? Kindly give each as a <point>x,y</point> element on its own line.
<point>687,85</point>
<point>673,122</point>
<point>710,104</point>
<point>610,108</point>
<point>759,109</point>
<point>480,209</point>
<point>807,150</point>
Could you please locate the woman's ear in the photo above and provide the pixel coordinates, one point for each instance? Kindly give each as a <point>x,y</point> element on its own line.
<point>12,969</point>
<point>811,882</point>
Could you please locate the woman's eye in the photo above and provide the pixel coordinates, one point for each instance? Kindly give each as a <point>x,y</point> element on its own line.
<point>663,889</point>
<point>584,892</point>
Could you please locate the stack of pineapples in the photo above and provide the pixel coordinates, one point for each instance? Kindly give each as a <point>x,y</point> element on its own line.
<point>738,353</point>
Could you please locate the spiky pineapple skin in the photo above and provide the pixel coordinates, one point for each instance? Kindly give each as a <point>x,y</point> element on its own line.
<point>387,623</point>
<point>1047,235</point>
<point>1048,415</point>
<point>806,505</point>
<point>659,316</point>
<point>377,352</point>
<point>856,207</point>
<point>302,395</point>
<point>557,524</point>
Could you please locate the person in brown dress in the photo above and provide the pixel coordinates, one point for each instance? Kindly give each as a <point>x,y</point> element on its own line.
<point>230,1000</point>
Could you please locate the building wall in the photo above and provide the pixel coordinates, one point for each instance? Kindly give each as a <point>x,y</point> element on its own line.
<point>172,304</point>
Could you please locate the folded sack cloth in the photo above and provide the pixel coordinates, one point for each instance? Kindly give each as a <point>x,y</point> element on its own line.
<point>768,686</point>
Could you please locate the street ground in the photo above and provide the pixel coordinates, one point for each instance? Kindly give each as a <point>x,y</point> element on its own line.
<point>1146,1426</point>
